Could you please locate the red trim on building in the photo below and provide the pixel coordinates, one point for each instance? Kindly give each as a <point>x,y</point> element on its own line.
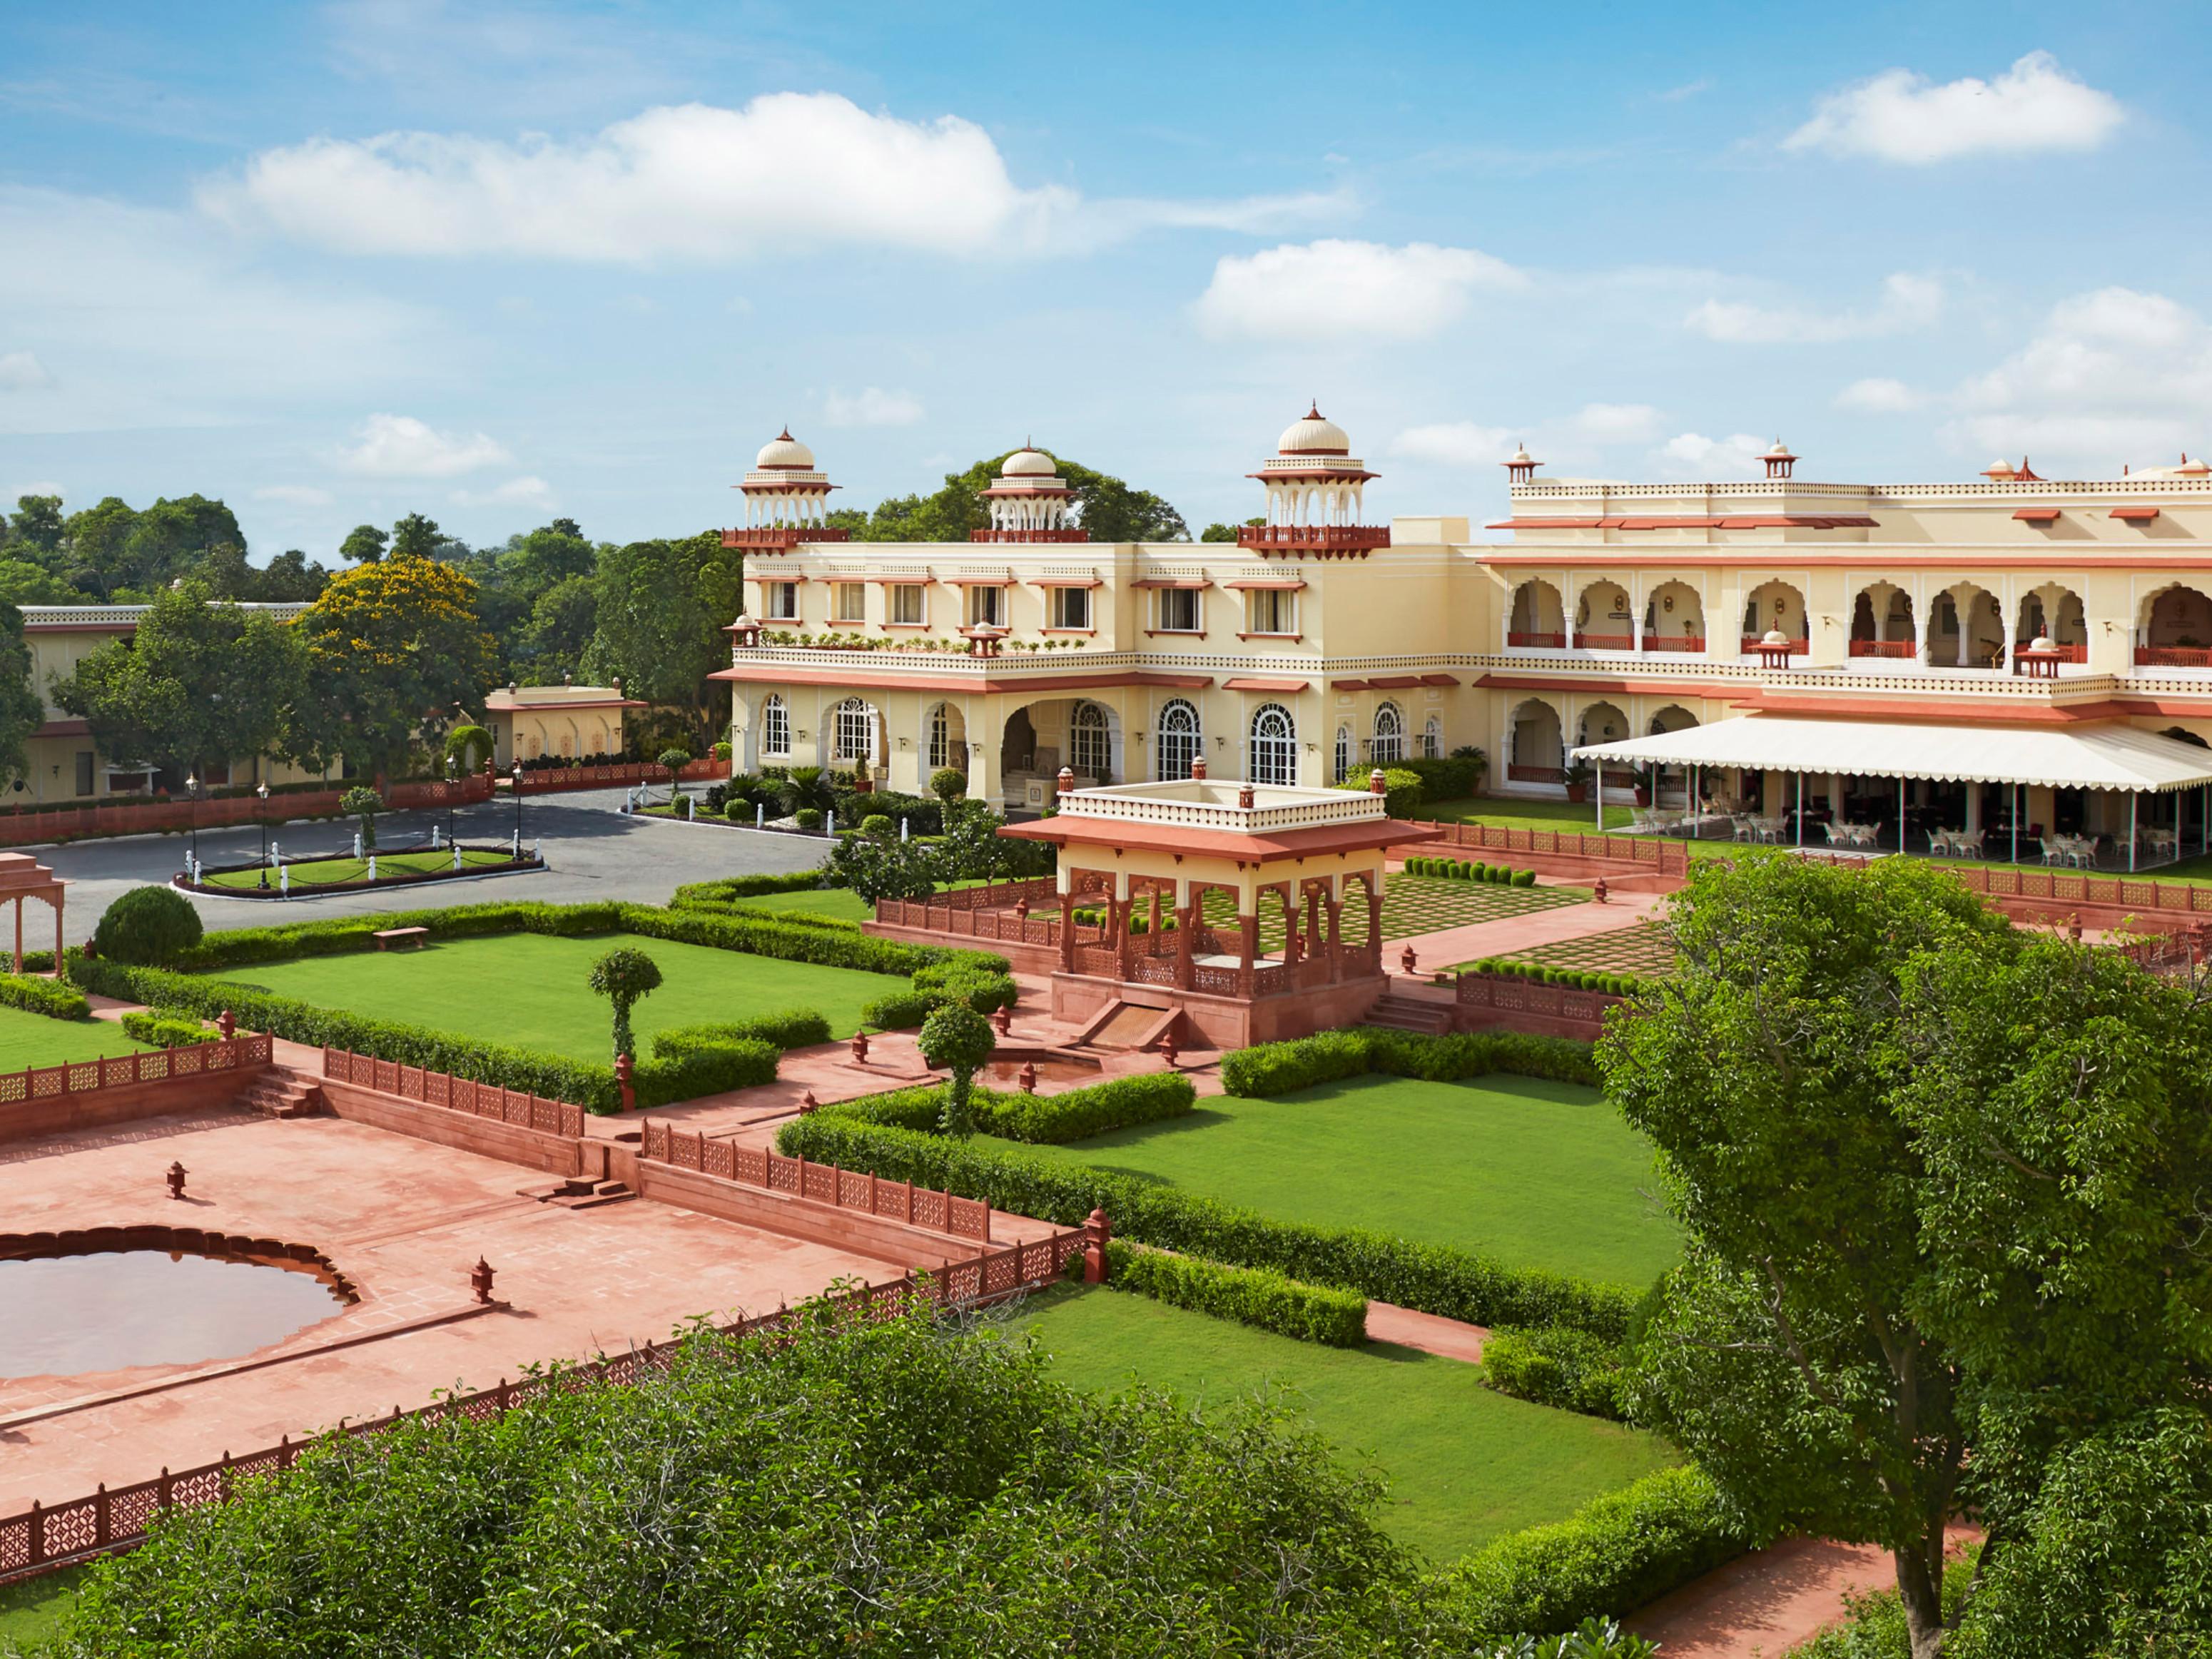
<point>862,679</point>
<point>1268,584</point>
<point>1318,842</point>
<point>1439,679</point>
<point>2134,514</point>
<point>2037,515</point>
<point>1063,581</point>
<point>1254,684</point>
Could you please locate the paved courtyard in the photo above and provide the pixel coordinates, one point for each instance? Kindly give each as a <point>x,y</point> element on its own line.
<point>592,851</point>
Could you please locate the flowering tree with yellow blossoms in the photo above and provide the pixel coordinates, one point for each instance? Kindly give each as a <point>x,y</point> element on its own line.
<point>395,652</point>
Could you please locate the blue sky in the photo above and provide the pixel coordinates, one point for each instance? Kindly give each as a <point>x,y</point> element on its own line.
<point>499,262</point>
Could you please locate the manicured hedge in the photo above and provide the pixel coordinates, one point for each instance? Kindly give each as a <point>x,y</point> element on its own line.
<point>1073,1114</point>
<point>1250,1295</point>
<point>165,1029</point>
<point>900,1011</point>
<point>1612,1556</point>
<point>1281,1068</point>
<point>724,889</point>
<point>1559,1366</point>
<point>1446,778</point>
<point>1575,979</point>
<point>1499,875</point>
<point>1433,1277</point>
<point>744,1063</point>
<point>964,981</point>
<point>55,998</point>
<point>788,1028</point>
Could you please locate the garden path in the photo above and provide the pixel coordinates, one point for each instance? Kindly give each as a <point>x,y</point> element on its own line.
<point>1451,945</point>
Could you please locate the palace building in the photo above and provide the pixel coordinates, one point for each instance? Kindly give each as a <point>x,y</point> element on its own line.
<point>1601,622</point>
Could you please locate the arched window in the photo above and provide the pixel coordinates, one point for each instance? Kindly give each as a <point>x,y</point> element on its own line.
<point>775,726</point>
<point>1390,735</point>
<point>1432,738</point>
<point>1088,752</point>
<point>1179,739</point>
<point>856,730</point>
<point>1343,758</point>
<point>1274,745</point>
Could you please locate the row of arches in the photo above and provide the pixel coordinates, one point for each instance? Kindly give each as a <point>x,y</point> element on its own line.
<point>1536,742</point>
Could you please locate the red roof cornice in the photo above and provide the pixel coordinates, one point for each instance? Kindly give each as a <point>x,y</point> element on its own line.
<point>1320,842</point>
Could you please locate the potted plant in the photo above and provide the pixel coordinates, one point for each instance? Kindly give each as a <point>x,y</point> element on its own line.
<point>1577,777</point>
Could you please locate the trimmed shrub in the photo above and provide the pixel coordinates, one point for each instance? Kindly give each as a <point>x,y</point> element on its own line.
<point>1432,1278</point>
<point>789,1028</point>
<point>807,817</point>
<point>1618,1551</point>
<point>55,998</point>
<point>1559,1366</point>
<point>1402,790</point>
<point>153,926</point>
<point>1281,1068</point>
<point>1250,1295</point>
<point>1454,779</point>
<point>166,1030</point>
<point>948,783</point>
<point>1094,1109</point>
<point>1524,877</point>
<point>745,1063</point>
<point>900,1011</point>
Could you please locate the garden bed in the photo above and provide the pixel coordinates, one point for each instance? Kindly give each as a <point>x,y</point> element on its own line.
<point>402,866</point>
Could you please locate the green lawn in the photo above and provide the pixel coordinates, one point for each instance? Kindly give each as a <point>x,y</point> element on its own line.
<point>840,904</point>
<point>1463,1464</point>
<point>1641,950</point>
<point>31,1612</point>
<point>353,869</point>
<point>529,989</point>
<point>28,1039</point>
<point>1512,812</point>
<point>1539,1174</point>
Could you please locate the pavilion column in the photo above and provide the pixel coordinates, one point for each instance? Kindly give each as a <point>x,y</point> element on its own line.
<point>1067,932</point>
<point>1315,942</point>
<point>57,933</point>
<point>18,937</point>
<point>1291,950</point>
<point>1248,948</point>
<point>1333,905</point>
<point>1375,922</point>
<point>1185,925</point>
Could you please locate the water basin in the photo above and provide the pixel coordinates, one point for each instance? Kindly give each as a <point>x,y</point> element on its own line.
<point>105,1310</point>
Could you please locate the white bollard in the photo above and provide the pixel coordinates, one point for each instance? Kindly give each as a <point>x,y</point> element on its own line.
<point>901,832</point>
<point>537,849</point>
<point>284,880</point>
<point>515,851</point>
<point>372,866</point>
<point>457,855</point>
<point>833,823</point>
<point>436,843</point>
<point>356,843</point>
<point>760,815</point>
<point>689,815</point>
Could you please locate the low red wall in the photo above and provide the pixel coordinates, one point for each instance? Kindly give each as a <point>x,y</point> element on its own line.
<point>140,818</point>
<point>121,1088</point>
<point>442,1126</point>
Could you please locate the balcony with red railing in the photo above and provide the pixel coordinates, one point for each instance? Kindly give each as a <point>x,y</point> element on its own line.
<point>1901,650</point>
<point>1313,537</point>
<point>781,538</point>
<point>1687,644</point>
<point>1536,642</point>
<point>1033,536</point>
<point>1606,642</point>
<point>2173,656</point>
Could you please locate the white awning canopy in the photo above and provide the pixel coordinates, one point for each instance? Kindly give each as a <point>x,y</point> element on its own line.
<point>2060,758</point>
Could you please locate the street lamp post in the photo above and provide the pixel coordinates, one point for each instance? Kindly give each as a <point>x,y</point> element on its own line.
<point>261,793</point>
<point>193,792</point>
<point>518,809</point>
<point>452,787</point>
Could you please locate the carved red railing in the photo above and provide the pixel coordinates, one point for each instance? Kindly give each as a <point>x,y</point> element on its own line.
<point>1537,641</point>
<point>46,1537</point>
<point>1510,994</point>
<point>86,1077</point>
<point>131,817</point>
<point>824,1183</point>
<point>546,780</point>
<point>1654,852</point>
<point>457,1094</point>
<point>1689,643</point>
<point>1899,648</point>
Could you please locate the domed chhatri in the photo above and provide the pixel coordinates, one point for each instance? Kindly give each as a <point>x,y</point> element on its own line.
<point>786,499</point>
<point>1029,501</point>
<point>1313,495</point>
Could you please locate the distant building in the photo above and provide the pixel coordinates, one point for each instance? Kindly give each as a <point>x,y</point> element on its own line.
<point>574,722</point>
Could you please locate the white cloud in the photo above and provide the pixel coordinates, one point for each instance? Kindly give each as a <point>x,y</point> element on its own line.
<point>1334,289</point>
<point>1609,423</point>
<point>293,495</point>
<point>1908,301</point>
<point>2110,376</point>
<point>1878,395</point>
<point>1898,116</point>
<point>790,171</point>
<point>1692,454</point>
<point>401,447</point>
<point>1687,89</point>
<point>1454,443</point>
<point>22,372</point>
<point>527,491</point>
<point>873,406</point>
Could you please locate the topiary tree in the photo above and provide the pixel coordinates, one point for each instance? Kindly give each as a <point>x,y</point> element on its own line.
<point>673,760</point>
<point>948,783</point>
<point>622,976</point>
<point>957,1040</point>
<point>472,745</point>
<point>877,826</point>
<point>363,803</point>
<point>147,928</point>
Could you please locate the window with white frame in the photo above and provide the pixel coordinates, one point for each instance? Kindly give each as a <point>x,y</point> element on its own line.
<point>1180,740</point>
<point>775,726</point>
<point>781,600</point>
<point>855,731</point>
<point>1433,737</point>
<point>1274,745</point>
<point>1071,607</point>
<point>1270,611</point>
<point>987,607</point>
<point>1343,758</point>
<point>1390,747</point>
<point>848,602</point>
<point>941,749</point>
<point>1090,747</point>
<point>1178,611</point>
<point>904,606</point>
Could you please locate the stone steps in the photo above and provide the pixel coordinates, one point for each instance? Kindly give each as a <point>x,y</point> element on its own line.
<point>1403,1014</point>
<point>280,1093</point>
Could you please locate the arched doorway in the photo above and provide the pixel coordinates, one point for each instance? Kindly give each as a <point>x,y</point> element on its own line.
<point>944,739</point>
<point>1965,628</point>
<point>1674,618</point>
<point>1388,747</point>
<point>1602,619</point>
<point>856,738</point>
<point>2176,629</point>
<point>1536,618</point>
<point>1535,753</point>
<point>1774,607</point>
<point>1882,622</point>
<point>1091,743</point>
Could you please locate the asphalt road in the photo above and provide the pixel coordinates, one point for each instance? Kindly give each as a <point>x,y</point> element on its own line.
<point>592,852</point>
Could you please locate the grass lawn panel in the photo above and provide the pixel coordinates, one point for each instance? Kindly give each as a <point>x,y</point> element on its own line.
<point>1536,1174</point>
<point>1642,950</point>
<point>528,989</point>
<point>28,1039</point>
<point>31,1612</point>
<point>350,868</point>
<point>1464,1464</point>
<point>839,903</point>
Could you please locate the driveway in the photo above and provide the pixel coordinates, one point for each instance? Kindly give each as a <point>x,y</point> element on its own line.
<point>592,852</point>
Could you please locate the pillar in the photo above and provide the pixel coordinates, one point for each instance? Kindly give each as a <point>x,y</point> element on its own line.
<point>19,936</point>
<point>1247,928</point>
<point>57,932</point>
<point>1067,931</point>
<point>1186,926</point>
<point>1289,898</point>
<point>1375,922</point>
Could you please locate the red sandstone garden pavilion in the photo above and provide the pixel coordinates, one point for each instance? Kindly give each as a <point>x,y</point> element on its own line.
<point>1155,851</point>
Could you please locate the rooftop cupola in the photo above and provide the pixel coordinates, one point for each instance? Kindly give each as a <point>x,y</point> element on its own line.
<point>786,499</point>
<point>1313,487</point>
<point>1029,501</point>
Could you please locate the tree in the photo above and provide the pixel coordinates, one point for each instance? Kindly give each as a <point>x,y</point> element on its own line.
<point>147,927</point>
<point>171,537</point>
<point>364,544</point>
<point>622,976</point>
<point>471,745</point>
<point>416,538</point>
<point>202,681</point>
<point>362,803</point>
<point>1227,532</point>
<point>553,640</point>
<point>948,783</point>
<point>22,582</point>
<point>37,525</point>
<point>291,579</point>
<point>662,610</point>
<point>958,1040</point>
<point>1937,1181</point>
<point>21,711</point>
<point>1107,508</point>
<point>672,761</point>
<point>92,542</point>
<point>391,649</point>
<point>880,869</point>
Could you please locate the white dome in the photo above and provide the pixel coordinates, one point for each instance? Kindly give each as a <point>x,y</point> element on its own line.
<point>1029,463</point>
<point>1521,457</point>
<point>1314,435</point>
<point>784,453</point>
<point>2000,468</point>
<point>1780,452</point>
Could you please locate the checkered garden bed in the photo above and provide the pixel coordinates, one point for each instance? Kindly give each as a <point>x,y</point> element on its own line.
<point>1411,905</point>
<point>1641,950</point>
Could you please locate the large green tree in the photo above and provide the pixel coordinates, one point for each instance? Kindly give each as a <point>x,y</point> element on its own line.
<point>1940,1183</point>
<point>202,681</point>
<point>21,711</point>
<point>415,536</point>
<point>364,544</point>
<point>662,610</point>
<point>1109,509</point>
<point>395,651</point>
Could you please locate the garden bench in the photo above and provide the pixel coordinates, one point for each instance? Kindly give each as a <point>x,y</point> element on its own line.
<point>417,937</point>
